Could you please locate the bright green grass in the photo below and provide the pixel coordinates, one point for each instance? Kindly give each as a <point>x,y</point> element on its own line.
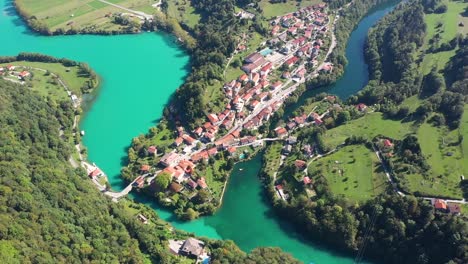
<point>464,133</point>
<point>213,97</point>
<point>444,175</point>
<point>70,78</point>
<point>183,11</point>
<point>448,31</point>
<point>233,73</point>
<point>412,103</point>
<point>83,13</point>
<point>272,158</point>
<point>272,10</point>
<point>369,126</point>
<point>353,172</point>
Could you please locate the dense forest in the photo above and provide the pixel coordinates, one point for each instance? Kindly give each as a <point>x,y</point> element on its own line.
<point>50,212</point>
<point>349,18</point>
<point>391,228</point>
<point>208,57</point>
<point>394,65</point>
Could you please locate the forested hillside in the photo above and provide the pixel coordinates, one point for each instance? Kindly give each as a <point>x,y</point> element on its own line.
<point>49,212</point>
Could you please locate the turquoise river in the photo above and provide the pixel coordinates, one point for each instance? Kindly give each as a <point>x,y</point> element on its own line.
<point>139,74</point>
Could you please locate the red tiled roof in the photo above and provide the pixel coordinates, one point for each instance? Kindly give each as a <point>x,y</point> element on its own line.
<point>145,167</point>
<point>95,172</point>
<point>300,164</point>
<point>440,204</point>
<point>152,149</point>
<point>202,183</point>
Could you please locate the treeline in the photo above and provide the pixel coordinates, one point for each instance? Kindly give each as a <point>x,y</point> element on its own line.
<point>390,54</point>
<point>84,69</point>
<point>215,42</point>
<point>394,68</point>
<point>389,228</point>
<point>349,18</point>
<point>49,211</point>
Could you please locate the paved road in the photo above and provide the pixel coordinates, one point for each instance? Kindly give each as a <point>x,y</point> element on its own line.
<point>138,13</point>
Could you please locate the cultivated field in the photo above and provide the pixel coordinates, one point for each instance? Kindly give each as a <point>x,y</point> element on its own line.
<point>77,14</point>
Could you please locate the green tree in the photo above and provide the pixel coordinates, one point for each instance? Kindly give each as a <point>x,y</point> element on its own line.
<point>163,180</point>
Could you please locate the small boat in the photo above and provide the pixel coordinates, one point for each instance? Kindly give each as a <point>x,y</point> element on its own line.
<point>82,133</point>
<point>241,169</point>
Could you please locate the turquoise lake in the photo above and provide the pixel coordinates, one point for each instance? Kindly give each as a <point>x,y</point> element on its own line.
<point>139,74</point>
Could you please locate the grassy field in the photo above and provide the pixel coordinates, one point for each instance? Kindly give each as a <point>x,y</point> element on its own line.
<point>464,131</point>
<point>441,149</point>
<point>449,29</point>
<point>371,125</point>
<point>83,13</point>
<point>44,84</point>
<point>272,10</point>
<point>183,11</point>
<point>353,172</point>
<point>272,158</point>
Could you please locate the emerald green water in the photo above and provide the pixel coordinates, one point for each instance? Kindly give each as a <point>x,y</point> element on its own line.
<point>139,74</point>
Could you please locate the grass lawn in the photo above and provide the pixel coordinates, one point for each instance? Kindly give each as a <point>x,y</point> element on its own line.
<point>272,10</point>
<point>272,158</point>
<point>43,84</point>
<point>353,172</point>
<point>444,176</point>
<point>412,103</point>
<point>233,73</point>
<point>447,32</point>
<point>464,132</point>
<point>183,11</point>
<point>213,97</point>
<point>371,125</point>
<point>83,13</point>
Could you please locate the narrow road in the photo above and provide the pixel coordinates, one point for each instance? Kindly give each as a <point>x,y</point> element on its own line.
<point>399,192</point>
<point>138,13</point>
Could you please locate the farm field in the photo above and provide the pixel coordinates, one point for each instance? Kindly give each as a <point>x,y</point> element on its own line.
<point>77,14</point>
<point>353,172</point>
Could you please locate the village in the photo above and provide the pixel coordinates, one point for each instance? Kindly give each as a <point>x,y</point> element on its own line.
<point>270,76</point>
<point>294,54</point>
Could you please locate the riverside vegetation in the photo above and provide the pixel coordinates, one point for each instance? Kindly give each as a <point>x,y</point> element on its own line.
<point>415,100</point>
<point>190,105</point>
<point>50,210</point>
<point>440,220</point>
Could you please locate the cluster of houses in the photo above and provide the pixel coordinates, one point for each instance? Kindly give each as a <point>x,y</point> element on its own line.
<point>249,93</point>
<point>298,122</point>
<point>299,35</point>
<point>11,70</point>
<point>180,169</point>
